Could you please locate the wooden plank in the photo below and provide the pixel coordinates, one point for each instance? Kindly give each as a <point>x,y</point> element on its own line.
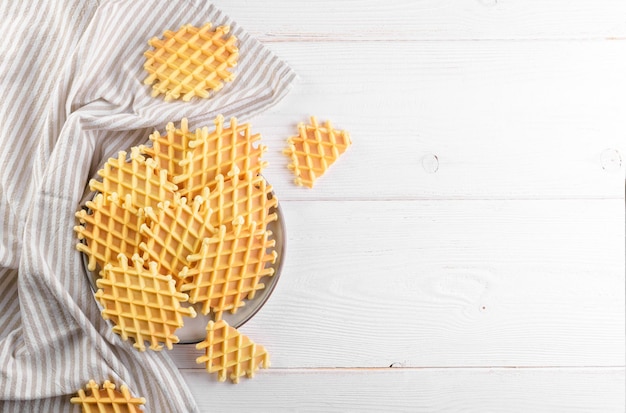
<point>538,120</point>
<point>428,19</point>
<point>446,284</point>
<point>415,390</point>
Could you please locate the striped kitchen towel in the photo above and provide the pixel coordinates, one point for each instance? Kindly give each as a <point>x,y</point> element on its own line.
<point>71,95</point>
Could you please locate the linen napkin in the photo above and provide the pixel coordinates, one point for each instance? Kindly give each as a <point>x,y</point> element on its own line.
<point>72,95</point>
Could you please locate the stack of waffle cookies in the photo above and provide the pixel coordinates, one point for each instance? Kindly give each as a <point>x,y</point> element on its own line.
<point>181,220</point>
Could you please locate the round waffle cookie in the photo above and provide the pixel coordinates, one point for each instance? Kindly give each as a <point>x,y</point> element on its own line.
<point>142,303</point>
<point>172,147</point>
<point>194,159</point>
<point>191,62</point>
<point>137,177</point>
<point>176,230</point>
<point>248,197</point>
<point>229,268</point>
<point>225,149</point>
<point>112,227</point>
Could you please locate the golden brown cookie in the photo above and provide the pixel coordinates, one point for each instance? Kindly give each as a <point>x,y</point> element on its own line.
<point>139,177</point>
<point>230,353</point>
<point>111,227</point>
<point>107,399</point>
<point>314,149</point>
<point>224,149</point>
<point>176,230</point>
<point>191,62</point>
<point>248,196</point>
<point>228,269</point>
<point>142,303</point>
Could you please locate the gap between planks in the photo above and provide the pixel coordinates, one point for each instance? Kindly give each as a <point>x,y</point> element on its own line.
<point>466,283</point>
<point>433,368</point>
<point>451,198</point>
<point>430,19</point>
<point>307,38</point>
<point>415,390</point>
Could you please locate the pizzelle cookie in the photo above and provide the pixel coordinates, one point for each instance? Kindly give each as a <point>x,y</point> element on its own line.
<point>229,268</point>
<point>230,353</point>
<point>170,149</point>
<point>314,150</point>
<point>142,303</point>
<point>248,196</point>
<point>111,228</point>
<point>194,159</point>
<point>226,148</point>
<point>176,230</point>
<point>139,177</point>
<point>191,62</point>
<point>107,399</point>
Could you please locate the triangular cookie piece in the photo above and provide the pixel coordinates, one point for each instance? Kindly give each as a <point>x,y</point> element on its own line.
<point>230,353</point>
<point>314,149</point>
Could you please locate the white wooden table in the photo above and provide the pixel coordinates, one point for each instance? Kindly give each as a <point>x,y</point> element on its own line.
<point>467,253</point>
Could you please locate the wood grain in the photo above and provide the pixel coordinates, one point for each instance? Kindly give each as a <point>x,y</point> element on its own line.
<point>283,20</point>
<point>415,390</point>
<point>446,284</point>
<point>472,236</point>
<point>505,120</point>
